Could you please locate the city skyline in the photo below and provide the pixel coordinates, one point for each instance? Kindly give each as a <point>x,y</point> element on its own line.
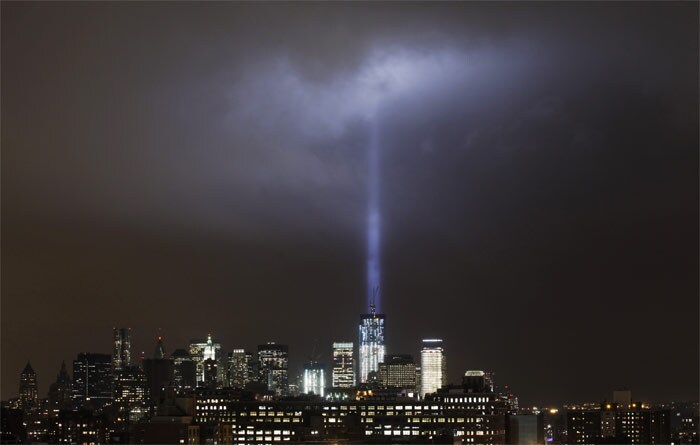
<point>518,180</point>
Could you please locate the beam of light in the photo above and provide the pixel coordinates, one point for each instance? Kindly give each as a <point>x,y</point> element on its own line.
<point>373,216</point>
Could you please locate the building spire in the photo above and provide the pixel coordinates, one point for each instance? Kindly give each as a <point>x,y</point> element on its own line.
<point>160,349</point>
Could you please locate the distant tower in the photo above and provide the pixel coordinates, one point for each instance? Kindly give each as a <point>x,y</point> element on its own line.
<point>185,369</point>
<point>398,371</point>
<point>274,367</point>
<point>343,365</point>
<point>314,378</point>
<point>433,364</point>
<point>92,380</point>
<point>60,392</point>
<point>28,389</point>
<point>121,349</point>
<point>160,349</point>
<point>238,363</point>
<point>372,349</point>
<point>159,371</point>
<point>130,396</point>
<point>209,349</point>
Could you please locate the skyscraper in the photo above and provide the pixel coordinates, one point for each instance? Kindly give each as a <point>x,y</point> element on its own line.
<point>274,367</point>
<point>398,371</point>
<point>372,347</point>
<point>130,395</point>
<point>185,369</point>
<point>28,389</point>
<point>160,372</point>
<point>60,392</point>
<point>314,378</point>
<point>433,366</point>
<point>121,349</point>
<point>92,380</point>
<point>343,365</point>
<point>202,350</point>
<point>238,373</point>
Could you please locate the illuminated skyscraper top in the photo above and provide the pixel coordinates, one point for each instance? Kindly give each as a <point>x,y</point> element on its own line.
<point>372,349</point>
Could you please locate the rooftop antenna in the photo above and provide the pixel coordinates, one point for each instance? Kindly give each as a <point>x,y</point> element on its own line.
<point>372,306</point>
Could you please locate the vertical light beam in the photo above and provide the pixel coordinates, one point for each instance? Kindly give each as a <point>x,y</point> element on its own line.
<point>373,216</point>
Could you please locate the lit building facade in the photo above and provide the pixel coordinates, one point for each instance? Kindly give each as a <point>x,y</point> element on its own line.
<point>343,365</point>
<point>273,360</point>
<point>398,371</point>
<point>314,380</point>
<point>202,350</point>
<point>636,423</point>
<point>238,368</point>
<point>131,395</point>
<point>82,427</point>
<point>433,365</point>
<point>372,345</point>
<point>92,380</point>
<point>121,348</point>
<point>477,419</point>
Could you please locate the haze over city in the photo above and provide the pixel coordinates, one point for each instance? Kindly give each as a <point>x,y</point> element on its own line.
<point>193,168</point>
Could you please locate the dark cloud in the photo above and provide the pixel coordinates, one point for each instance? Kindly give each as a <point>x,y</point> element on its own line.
<point>201,167</point>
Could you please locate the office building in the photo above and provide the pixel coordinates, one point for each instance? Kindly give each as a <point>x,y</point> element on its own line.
<point>92,380</point>
<point>398,371</point>
<point>28,390</point>
<point>211,371</point>
<point>130,395</point>
<point>525,429</point>
<point>160,373</point>
<point>209,349</point>
<point>314,380</point>
<point>433,366</point>
<point>238,374</point>
<point>372,345</point>
<point>84,427</point>
<point>636,423</point>
<point>184,370</point>
<point>60,392</point>
<point>452,418</point>
<point>121,348</point>
<point>343,365</point>
<point>274,367</point>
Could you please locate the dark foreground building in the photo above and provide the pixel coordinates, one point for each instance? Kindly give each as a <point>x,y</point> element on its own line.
<point>614,423</point>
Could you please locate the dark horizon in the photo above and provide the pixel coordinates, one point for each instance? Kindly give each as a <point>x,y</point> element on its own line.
<point>186,168</point>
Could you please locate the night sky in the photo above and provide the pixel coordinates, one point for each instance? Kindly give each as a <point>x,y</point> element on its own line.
<point>184,168</point>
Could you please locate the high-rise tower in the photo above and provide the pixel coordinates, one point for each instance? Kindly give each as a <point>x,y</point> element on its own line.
<point>314,378</point>
<point>433,364</point>
<point>28,389</point>
<point>121,348</point>
<point>343,365</point>
<point>372,347</point>
<point>274,367</point>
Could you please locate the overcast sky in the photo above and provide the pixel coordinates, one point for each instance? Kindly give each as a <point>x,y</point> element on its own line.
<point>184,168</point>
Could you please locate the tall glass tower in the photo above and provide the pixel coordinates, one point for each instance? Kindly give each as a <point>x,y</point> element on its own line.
<point>121,348</point>
<point>372,347</point>
<point>433,365</point>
